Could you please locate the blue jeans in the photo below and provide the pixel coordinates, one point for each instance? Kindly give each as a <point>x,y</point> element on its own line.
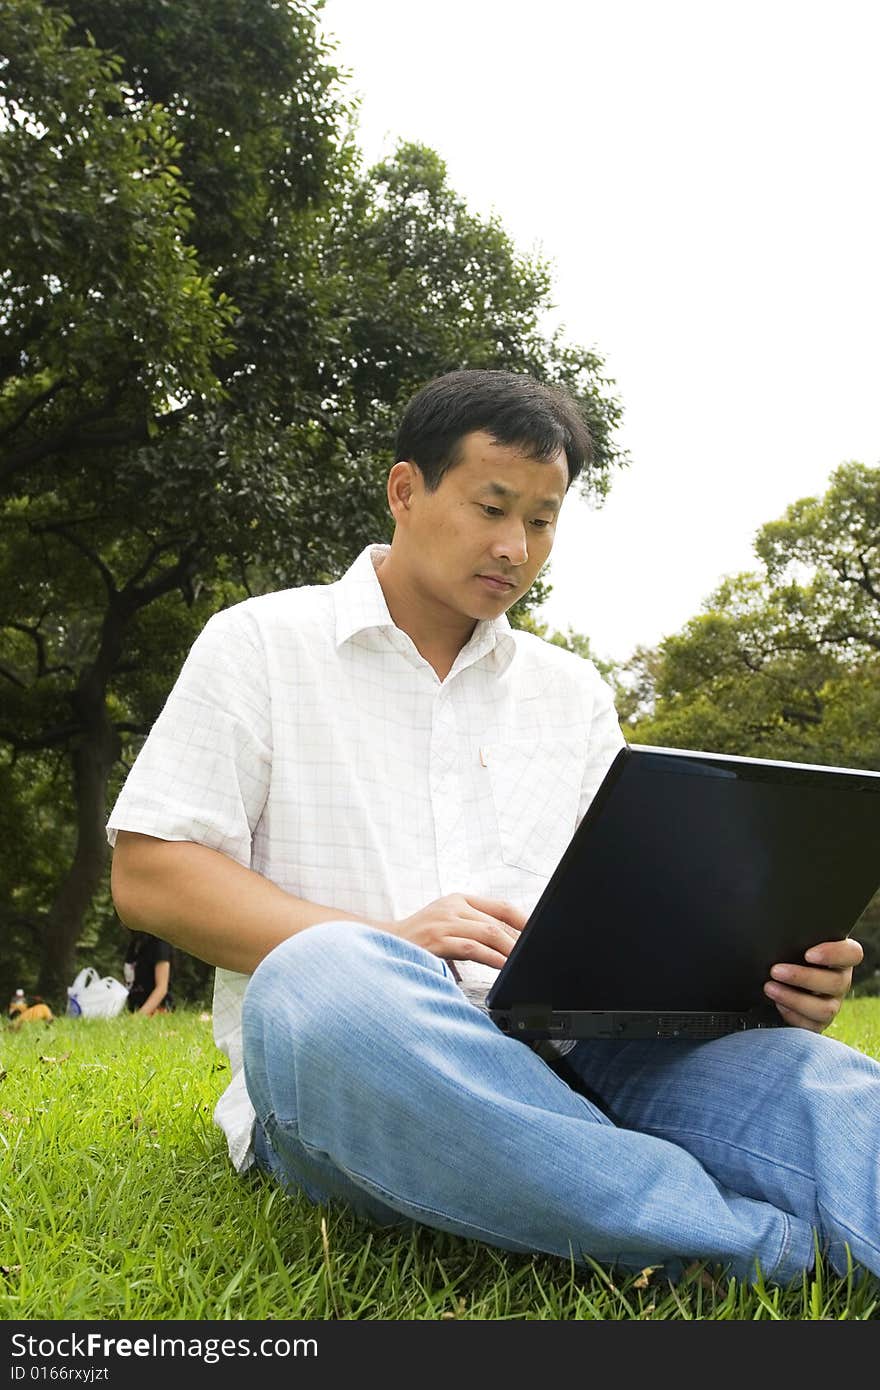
<point>377,1084</point>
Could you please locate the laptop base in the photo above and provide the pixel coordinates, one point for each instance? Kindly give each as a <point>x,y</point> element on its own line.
<point>530,1024</point>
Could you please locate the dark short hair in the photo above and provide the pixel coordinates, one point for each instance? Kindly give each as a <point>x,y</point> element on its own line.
<point>513,408</point>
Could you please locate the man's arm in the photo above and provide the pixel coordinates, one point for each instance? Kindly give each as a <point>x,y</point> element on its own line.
<point>204,902</point>
<point>215,909</point>
<point>161,976</point>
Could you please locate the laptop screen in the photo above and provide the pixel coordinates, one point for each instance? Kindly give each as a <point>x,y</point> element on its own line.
<point>691,874</point>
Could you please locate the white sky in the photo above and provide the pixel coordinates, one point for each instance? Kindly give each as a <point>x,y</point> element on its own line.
<point>703,177</point>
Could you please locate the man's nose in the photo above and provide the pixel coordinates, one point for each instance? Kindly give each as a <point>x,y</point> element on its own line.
<point>512,544</point>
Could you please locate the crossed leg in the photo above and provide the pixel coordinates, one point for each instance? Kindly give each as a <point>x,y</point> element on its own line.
<point>376,1083</point>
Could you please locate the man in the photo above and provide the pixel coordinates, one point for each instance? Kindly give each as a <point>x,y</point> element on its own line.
<point>353,798</point>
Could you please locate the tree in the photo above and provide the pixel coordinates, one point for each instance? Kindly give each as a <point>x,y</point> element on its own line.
<point>424,286</point>
<point>246,448</point>
<point>784,663</point>
<point>106,314</point>
<point>833,544</point>
<point>120,355</point>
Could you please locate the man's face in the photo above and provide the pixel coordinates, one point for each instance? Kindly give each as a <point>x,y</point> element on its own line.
<point>476,544</point>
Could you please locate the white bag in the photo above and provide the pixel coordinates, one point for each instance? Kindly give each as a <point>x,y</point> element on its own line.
<point>90,996</point>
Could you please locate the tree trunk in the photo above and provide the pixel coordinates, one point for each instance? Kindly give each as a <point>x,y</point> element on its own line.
<point>92,761</point>
<point>92,757</point>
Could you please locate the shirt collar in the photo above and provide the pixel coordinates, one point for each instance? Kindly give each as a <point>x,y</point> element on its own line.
<point>360,605</point>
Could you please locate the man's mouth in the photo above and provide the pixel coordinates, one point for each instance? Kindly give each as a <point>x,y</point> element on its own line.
<point>497,583</point>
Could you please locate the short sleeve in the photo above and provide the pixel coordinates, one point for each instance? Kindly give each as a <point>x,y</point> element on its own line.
<point>203,771</point>
<point>162,950</point>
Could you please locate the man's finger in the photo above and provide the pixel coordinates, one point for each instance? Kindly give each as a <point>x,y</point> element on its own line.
<point>798,1020</point>
<point>473,949</point>
<point>503,912</point>
<point>797,1007</point>
<point>836,955</point>
<point>818,980</point>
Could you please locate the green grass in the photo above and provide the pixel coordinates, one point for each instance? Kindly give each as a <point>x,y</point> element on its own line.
<point>117,1201</point>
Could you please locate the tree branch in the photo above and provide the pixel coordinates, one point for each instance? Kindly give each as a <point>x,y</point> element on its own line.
<point>160,548</point>
<point>801,716</point>
<point>71,441</point>
<point>36,637</point>
<point>837,635</point>
<point>59,528</point>
<point>11,676</point>
<point>39,400</point>
<point>866,582</point>
<point>43,668</point>
<point>175,577</point>
<point>49,738</point>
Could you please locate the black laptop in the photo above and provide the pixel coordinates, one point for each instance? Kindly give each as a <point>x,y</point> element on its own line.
<point>689,876</point>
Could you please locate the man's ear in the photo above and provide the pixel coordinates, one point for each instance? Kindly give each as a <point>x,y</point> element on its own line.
<point>402,484</point>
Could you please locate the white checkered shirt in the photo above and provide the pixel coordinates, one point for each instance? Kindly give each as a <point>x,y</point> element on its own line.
<point>306,738</point>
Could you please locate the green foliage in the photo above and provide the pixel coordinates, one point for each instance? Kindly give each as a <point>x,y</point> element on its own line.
<point>783,663</point>
<point>832,546</point>
<point>36,839</point>
<point>423,286</point>
<point>212,316</point>
<point>107,315</point>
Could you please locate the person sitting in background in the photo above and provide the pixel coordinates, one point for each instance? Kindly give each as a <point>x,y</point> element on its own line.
<point>147,973</point>
<point>16,1004</point>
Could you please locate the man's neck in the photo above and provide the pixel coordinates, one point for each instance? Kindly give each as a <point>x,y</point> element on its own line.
<point>437,634</point>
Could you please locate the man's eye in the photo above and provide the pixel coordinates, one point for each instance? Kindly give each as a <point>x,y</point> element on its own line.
<point>492,511</point>
<point>540,521</point>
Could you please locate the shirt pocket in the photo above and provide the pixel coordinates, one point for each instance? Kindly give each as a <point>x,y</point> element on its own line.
<point>536,789</point>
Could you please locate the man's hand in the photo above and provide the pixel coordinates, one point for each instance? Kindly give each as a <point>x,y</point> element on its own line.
<point>810,996</point>
<point>464,928</point>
